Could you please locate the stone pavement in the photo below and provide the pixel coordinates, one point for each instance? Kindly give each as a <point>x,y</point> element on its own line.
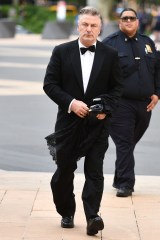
<point>27,211</point>
<point>26,208</point>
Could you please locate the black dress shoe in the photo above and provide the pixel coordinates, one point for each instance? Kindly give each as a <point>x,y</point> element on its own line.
<point>94,225</point>
<point>67,222</point>
<point>115,186</point>
<point>124,192</point>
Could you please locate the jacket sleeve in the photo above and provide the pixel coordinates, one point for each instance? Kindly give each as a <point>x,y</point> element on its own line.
<point>52,81</point>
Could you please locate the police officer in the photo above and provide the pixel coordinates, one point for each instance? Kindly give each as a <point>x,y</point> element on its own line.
<point>141,78</point>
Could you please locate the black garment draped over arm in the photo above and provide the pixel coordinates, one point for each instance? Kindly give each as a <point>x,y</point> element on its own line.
<point>72,142</point>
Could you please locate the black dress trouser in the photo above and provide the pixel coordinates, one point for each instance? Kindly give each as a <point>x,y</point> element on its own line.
<point>62,182</point>
<point>127,127</point>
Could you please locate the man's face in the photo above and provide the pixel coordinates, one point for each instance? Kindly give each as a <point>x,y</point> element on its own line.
<point>89,28</point>
<point>128,23</point>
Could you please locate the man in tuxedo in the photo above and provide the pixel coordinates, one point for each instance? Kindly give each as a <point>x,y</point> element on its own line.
<point>78,72</point>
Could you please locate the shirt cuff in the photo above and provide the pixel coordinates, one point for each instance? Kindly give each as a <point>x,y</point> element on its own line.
<point>69,109</point>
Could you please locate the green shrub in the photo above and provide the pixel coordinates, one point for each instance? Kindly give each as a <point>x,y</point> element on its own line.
<point>31,17</point>
<point>4,10</point>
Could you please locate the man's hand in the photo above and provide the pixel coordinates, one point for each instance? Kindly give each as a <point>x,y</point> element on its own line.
<point>152,104</point>
<point>101,116</point>
<point>79,108</point>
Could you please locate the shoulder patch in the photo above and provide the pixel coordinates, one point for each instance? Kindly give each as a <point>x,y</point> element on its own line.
<point>147,39</point>
<point>115,34</point>
<point>145,36</point>
<point>110,37</point>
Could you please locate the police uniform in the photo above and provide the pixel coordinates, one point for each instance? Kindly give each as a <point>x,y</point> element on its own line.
<point>141,79</point>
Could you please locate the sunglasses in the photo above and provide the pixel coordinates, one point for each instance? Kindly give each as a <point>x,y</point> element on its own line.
<point>125,19</point>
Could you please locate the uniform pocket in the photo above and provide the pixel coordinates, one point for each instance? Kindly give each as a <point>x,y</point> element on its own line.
<point>123,58</point>
<point>151,62</point>
<point>124,63</point>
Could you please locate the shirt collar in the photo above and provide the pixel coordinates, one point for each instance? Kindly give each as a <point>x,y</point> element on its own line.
<point>81,45</point>
<point>126,38</point>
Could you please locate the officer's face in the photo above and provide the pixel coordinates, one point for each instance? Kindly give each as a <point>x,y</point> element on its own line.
<point>89,28</point>
<point>128,23</point>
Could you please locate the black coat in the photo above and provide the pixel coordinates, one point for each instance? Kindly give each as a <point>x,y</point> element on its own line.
<point>63,79</point>
<point>63,82</point>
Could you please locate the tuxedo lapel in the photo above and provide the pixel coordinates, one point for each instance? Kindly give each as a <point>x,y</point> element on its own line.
<point>76,64</point>
<point>97,65</point>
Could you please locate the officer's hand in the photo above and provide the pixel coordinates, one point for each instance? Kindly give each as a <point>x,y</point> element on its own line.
<point>79,108</point>
<point>101,116</point>
<point>154,101</point>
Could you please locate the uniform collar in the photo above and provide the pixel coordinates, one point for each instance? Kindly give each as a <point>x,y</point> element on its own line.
<point>126,38</point>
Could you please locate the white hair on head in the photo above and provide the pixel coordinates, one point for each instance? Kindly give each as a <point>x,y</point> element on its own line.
<point>88,10</point>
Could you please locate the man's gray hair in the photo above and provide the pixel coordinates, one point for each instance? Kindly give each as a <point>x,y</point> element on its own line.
<point>90,11</point>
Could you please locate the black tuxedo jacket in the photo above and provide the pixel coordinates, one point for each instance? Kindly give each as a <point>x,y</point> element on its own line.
<point>63,79</point>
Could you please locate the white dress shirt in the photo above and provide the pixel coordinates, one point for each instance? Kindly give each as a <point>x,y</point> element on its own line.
<point>86,66</point>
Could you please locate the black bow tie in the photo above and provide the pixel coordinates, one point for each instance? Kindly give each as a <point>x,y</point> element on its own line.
<point>91,49</point>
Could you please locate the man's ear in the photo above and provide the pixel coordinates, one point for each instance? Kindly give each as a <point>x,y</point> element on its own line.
<point>77,27</point>
<point>119,23</point>
<point>101,30</point>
